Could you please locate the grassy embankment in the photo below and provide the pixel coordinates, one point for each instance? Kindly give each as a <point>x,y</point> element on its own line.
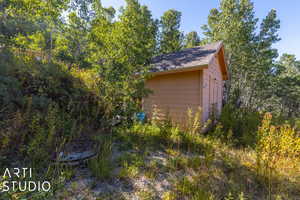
<point>45,106</point>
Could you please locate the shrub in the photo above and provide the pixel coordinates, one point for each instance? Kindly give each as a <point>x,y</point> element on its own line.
<point>277,147</point>
<point>44,103</point>
<point>277,144</point>
<point>23,78</point>
<point>238,126</point>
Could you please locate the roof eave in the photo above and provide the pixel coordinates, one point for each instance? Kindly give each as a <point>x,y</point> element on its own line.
<point>221,56</point>
<point>179,70</point>
<point>223,63</point>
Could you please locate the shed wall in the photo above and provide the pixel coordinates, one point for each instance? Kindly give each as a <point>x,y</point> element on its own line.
<point>212,88</point>
<point>173,94</point>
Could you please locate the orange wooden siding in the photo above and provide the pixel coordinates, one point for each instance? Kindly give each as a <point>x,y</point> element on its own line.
<point>174,93</point>
<point>212,88</point>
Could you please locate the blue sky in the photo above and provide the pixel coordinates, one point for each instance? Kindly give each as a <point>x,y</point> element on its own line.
<point>195,12</point>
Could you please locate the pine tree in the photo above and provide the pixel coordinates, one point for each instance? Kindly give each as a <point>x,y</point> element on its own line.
<point>192,39</point>
<point>286,85</point>
<point>249,53</point>
<point>171,37</point>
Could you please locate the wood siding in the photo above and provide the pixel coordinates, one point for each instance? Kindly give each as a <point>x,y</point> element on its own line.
<point>174,93</point>
<point>212,88</point>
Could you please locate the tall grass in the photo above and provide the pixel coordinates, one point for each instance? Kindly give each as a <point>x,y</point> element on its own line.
<point>101,165</point>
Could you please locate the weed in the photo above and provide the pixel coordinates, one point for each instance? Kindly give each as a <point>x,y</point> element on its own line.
<point>146,195</point>
<point>177,163</point>
<point>191,189</point>
<point>169,195</point>
<point>131,165</point>
<point>194,162</point>
<point>101,166</point>
<point>193,122</point>
<point>152,169</point>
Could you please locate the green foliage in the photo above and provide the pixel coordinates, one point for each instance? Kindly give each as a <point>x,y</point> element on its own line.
<point>171,38</point>
<point>177,163</point>
<point>191,189</point>
<point>182,162</point>
<point>89,38</point>
<point>146,195</point>
<point>192,40</point>
<point>43,84</point>
<point>161,135</point>
<point>249,51</point>
<point>287,85</point>
<point>44,107</point>
<point>65,79</point>
<point>30,23</point>
<point>71,46</point>
<point>101,166</point>
<point>229,196</point>
<point>152,169</point>
<point>276,148</point>
<point>120,52</point>
<point>131,165</point>
<point>238,126</point>
<point>169,196</point>
<point>193,122</point>
<point>276,145</point>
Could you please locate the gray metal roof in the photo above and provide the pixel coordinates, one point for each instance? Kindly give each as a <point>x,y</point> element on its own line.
<point>190,57</point>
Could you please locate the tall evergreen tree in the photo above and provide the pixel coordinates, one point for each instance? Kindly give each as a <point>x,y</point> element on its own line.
<point>288,65</point>
<point>138,31</point>
<point>286,85</point>
<point>171,37</point>
<point>249,53</point>
<point>192,39</point>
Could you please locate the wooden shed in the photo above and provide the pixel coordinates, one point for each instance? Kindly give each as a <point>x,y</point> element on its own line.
<point>190,78</point>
